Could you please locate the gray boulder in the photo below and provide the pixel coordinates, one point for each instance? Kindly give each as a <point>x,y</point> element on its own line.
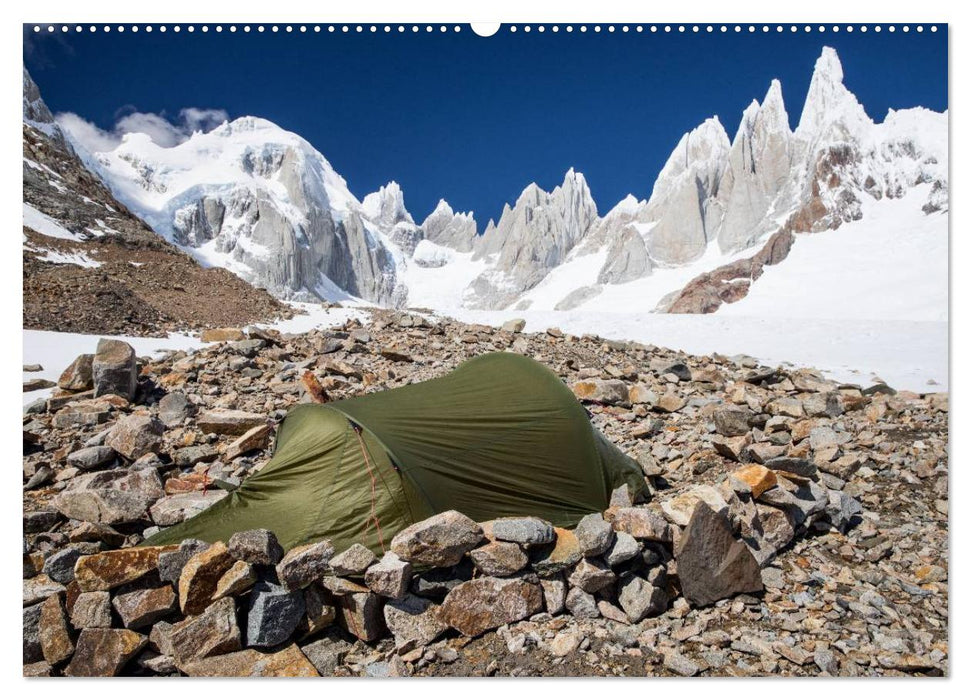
<point>172,510</point>
<point>229,422</point>
<point>712,564</point>
<point>642,524</point>
<point>823,405</point>
<point>594,534</point>
<point>60,565</point>
<point>144,607</point>
<point>499,558</point>
<point>793,465</point>
<point>525,531</point>
<point>441,540</point>
<point>841,510</point>
<point>389,577</point>
<point>174,408</point>
<point>360,614</point>
<point>732,421</point>
<point>170,564</point>
<point>487,603</point>
<point>305,564</point>
<point>214,631</point>
<point>612,392</point>
<point>554,594</point>
<point>135,436</point>
<point>77,376</point>
<point>592,575</point>
<point>413,620</point>
<point>114,369</point>
<point>353,561</point>
<point>256,547</point>
<point>273,614</point>
<point>111,497</point>
<point>582,605</point>
<point>624,548</point>
<point>326,654</point>
<point>514,325</point>
<point>91,609</point>
<point>32,647</point>
<point>638,598</point>
<point>91,457</point>
<point>801,501</point>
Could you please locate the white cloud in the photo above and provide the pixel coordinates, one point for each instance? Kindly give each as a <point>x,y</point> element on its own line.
<point>163,132</point>
<point>196,119</point>
<point>85,133</point>
<point>159,129</point>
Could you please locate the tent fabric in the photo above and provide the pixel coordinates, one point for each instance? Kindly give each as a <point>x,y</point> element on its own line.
<point>501,435</point>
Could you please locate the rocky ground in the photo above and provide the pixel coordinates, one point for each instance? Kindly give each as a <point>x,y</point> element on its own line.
<point>838,494</point>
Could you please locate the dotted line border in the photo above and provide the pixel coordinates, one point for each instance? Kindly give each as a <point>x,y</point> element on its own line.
<point>510,28</point>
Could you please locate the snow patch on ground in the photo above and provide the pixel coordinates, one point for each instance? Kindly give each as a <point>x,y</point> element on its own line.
<point>46,226</point>
<point>642,294</point>
<point>575,272</point>
<point>209,255</point>
<point>59,258</point>
<point>316,316</point>
<point>904,354</point>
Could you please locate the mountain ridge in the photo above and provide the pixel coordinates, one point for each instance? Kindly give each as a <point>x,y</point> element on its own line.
<point>273,210</point>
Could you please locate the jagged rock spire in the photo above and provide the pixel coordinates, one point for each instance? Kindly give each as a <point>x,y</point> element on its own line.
<point>532,238</point>
<point>829,105</point>
<point>387,205</point>
<point>448,228</point>
<point>682,201</point>
<point>759,165</point>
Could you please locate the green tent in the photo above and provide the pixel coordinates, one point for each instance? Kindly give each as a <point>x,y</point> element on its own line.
<point>501,435</point>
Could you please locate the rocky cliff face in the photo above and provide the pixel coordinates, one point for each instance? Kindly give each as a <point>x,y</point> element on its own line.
<point>684,205</point>
<point>447,228</point>
<point>386,211</point>
<point>758,168</point>
<point>620,233</point>
<point>37,116</point>
<point>531,238</point>
<point>817,177</point>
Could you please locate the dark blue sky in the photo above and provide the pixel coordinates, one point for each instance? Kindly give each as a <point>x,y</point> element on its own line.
<point>471,119</point>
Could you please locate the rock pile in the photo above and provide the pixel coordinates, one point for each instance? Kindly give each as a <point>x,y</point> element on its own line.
<point>195,607</point>
<point>794,525</point>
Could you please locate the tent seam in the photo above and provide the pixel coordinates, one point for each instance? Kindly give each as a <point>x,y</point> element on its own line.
<point>326,500</point>
<point>391,455</point>
<point>410,515</point>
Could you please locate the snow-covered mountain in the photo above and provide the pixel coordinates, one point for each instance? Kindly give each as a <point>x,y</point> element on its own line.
<point>90,265</point>
<point>721,211</point>
<point>262,202</point>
